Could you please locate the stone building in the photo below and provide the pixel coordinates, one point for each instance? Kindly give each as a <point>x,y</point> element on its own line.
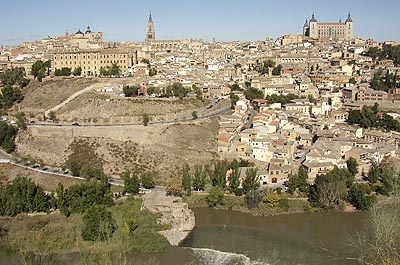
<point>92,60</point>
<point>328,30</point>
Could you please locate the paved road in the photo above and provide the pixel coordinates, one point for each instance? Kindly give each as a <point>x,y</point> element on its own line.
<point>4,156</point>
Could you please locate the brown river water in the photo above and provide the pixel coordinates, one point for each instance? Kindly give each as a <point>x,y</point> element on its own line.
<point>235,238</point>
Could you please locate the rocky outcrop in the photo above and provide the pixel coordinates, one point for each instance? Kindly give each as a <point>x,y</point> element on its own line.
<point>173,211</point>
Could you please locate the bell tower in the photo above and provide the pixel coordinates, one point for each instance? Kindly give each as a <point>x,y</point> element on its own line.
<point>150,33</point>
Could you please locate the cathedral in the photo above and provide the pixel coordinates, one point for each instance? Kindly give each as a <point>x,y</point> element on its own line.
<point>328,30</point>
<point>150,33</point>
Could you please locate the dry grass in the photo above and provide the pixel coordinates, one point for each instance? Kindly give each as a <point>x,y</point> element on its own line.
<point>39,97</point>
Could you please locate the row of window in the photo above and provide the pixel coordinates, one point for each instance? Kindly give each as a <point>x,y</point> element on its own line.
<point>88,62</point>
<point>106,56</point>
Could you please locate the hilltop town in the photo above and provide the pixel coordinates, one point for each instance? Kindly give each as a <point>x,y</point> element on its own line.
<point>292,99</point>
<point>116,142</point>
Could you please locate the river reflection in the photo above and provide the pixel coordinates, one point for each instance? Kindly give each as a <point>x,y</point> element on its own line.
<point>285,239</point>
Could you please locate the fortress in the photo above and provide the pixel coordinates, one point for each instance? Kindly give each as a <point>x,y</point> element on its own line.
<point>328,30</point>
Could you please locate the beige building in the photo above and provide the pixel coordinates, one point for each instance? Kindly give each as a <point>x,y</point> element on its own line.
<point>91,61</point>
<point>328,30</point>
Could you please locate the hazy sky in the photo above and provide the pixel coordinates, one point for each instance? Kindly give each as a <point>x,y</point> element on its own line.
<point>22,20</point>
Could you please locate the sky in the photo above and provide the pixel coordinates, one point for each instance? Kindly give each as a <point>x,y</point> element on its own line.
<point>226,20</point>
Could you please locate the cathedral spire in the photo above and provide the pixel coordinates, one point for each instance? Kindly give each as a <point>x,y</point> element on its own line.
<point>150,33</point>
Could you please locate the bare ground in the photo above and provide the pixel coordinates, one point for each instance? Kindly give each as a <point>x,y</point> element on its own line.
<point>95,106</point>
<point>170,147</point>
<point>39,97</point>
<point>49,182</point>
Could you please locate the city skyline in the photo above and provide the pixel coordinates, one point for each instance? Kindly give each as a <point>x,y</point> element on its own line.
<point>176,19</point>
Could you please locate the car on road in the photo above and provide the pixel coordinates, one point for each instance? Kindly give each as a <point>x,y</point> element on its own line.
<point>75,124</point>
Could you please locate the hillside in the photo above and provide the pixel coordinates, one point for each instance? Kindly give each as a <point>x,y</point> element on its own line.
<point>39,97</point>
<point>164,148</point>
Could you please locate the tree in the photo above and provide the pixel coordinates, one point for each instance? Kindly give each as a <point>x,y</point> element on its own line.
<point>131,182</point>
<point>23,196</point>
<point>199,180</point>
<point>358,197</point>
<point>7,136</point>
<point>115,70</point>
<point>130,91</point>
<point>277,70</point>
<point>234,98</point>
<point>152,71</point>
<point>98,224</point>
<point>52,116</point>
<point>299,182</point>
<point>330,189</point>
<point>14,76</point>
<point>352,165</point>
<point>21,120</point>
<point>352,81</point>
<point>234,182</point>
<point>251,182</point>
<point>10,95</point>
<point>215,197</point>
<point>148,179</point>
<point>145,119</point>
<point>77,71</point>
<point>218,175</point>
<point>252,199</point>
<point>253,93</point>
<point>187,180</point>
<point>39,69</point>
<point>194,115</point>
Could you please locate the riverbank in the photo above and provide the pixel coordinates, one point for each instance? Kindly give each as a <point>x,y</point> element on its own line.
<point>54,236</point>
<point>236,203</point>
<point>174,213</point>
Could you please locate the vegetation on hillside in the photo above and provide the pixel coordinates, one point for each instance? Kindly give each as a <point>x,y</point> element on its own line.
<point>8,133</point>
<point>371,117</point>
<point>387,52</point>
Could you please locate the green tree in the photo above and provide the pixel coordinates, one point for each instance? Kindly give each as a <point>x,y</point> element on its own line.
<point>23,196</point>
<point>115,70</point>
<point>152,71</point>
<point>148,179</point>
<point>145,119</point>
<point>194,115</point>
<point>52,116</point>
<point>299,182</point>
<point>77,71</point>
<point>251,182</point>
<point>130,91</point>
<point>199,179</point>
<point>234,182</point>
<point>234,98</point>
<point>352,81</point>
<point>186,180</point>
<point>373,173</point>
<point>218,176</point>
<point>252,199</point>
<point>10,95</point>
<point>14,76</point>
<point>39,69</point>
<point>215,197</point>
<point>21,120</point>
<point>98,224</point>
<point>359,198</point>
<point>253,93</point>
<point>352,165</point>
<point>7,136</point>
<point>277,70</point>
<point>131,182</point>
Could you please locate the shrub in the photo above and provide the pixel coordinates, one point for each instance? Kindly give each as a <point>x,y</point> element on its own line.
<point>215,196</point>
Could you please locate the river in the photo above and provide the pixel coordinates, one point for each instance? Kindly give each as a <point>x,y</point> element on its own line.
<point>235,238</point>
<point>287,239</point>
